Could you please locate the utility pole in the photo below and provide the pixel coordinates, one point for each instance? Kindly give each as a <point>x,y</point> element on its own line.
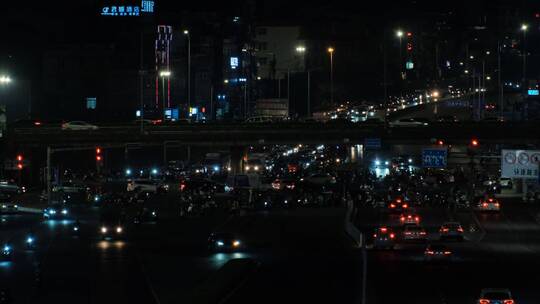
<point>141,82</point>
<point>48,177</point>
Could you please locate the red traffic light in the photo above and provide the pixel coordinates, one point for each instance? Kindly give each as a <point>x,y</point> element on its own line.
<point>98,150</point>
<point>409,34</point>
<point>440,142</point>
<point>98,158</point>
<point>19,157</point>
<point>475,143</point>
<point>19,166</point>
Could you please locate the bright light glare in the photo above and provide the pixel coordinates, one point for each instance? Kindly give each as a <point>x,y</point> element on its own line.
<point>5,79</point>
<point>165,73</point>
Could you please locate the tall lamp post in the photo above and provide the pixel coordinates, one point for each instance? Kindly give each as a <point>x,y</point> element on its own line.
<point>524,28</point>
<point>399,34</point>
<point>188,35</point>
<point>163,75</point>
<point>331,51</point>
<point>302,51</point>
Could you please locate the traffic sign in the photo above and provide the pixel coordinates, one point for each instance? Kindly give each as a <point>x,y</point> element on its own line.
<point>372,143</point>
<point>520,163</point>
<point>434,158</point>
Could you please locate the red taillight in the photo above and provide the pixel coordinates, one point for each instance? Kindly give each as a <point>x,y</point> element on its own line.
<point>485,205</point>
<point>182,187</point>
<point>445,230</point>
<point>37,123</point>
<point>392,206</point>
<point>402,218</point>
<point>408,233</point>
<point>392,235</point>
<point>483,301</point>
<point>460,229</point>
<point>417,219</point>
<point>430,252</point>
<point>422,233</point>
<point>497,205</point>
<point>508,301</point>
<point>374,235</point>
<point>447,252</point>
<point>398,200</point>
<point>384,229</point>
<point>405,206</point>
<point>491,200</point>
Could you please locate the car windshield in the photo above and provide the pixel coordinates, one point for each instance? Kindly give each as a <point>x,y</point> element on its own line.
<point>497,296</point>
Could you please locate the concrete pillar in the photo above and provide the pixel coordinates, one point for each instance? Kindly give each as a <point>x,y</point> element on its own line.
<point>238,153</point>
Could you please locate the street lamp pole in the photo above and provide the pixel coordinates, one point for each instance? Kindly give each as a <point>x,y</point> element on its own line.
<point>186,32</point>
<point>164,74</point>
<point>331,52</point>
<point>524,28</point>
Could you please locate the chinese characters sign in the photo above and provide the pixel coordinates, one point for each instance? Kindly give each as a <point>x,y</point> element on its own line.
<point>520,163</point>
<point>128,10</point>
<point>434,158</point>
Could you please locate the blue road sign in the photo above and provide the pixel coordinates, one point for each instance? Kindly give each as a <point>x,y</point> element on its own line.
<point>372,143</point>
<point>434,158</point>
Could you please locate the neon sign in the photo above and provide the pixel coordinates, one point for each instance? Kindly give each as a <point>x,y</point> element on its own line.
<point>146,6</point>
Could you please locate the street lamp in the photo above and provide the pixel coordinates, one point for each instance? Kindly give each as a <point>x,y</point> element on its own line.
<point>302,51</point>
<point>188,35</point>
<point>164,74</point>
<point>331,52</point>
<point>524,28</point>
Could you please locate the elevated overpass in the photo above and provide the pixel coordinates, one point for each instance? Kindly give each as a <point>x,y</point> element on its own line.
<point>277,133</point>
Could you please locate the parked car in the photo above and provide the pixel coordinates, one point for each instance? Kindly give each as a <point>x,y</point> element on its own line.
<point>78,126</point>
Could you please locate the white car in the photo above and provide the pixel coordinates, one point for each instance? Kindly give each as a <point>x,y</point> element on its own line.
<point>78,126</point>
<point>146,186</point>
<point>495,296</point>
<point>408,122</point>
<point>9,208</point>
<point>8,187</point>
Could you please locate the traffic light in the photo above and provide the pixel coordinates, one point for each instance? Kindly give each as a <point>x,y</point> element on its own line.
<point>20,161</point>
<point>475,143</point>
<point>440,142</point>
<point>98,154</point>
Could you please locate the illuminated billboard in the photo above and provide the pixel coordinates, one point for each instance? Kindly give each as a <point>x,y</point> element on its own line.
<point>127,8</point>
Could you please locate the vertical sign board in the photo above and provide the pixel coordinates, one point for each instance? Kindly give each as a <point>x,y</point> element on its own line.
<point>520,163</point>
<point>434,158</point>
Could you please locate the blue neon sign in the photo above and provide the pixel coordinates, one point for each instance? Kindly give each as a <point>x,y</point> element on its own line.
<point>533,92</point>
<point>147,6</point>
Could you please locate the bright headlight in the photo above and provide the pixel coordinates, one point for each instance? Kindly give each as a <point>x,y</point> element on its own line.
<point>220,243</point>
<point>64,211</point>
<point>52,211</point>
<point>103,229</point>
<point>119,229</point>
<point>29,240</point>
<point>236,243</point>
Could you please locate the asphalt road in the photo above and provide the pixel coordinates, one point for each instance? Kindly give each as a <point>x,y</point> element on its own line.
<point>304,256</point>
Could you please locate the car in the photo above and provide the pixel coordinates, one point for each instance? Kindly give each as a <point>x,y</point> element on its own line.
<point>254,165</point>
<point>56,211</point>
<point>402,162</point>
<point>495,296</point>
<point>506,183</point>
<point>451,230</point>
<point>409,122</point>
<point>409,219</point>
<point>384,238</point>
<point>224,241</point>
<point>11,187</point>
<point>283,184</point>
<point>489,204</point>
<point>79,126</point>
<point>146,215</point>
<point>145,185</point>
<point>7,208</point>
<point>437,252</point>
<point>7,252</point>
<point>447,119</point>
<point>112,223</point>
<point>69,187</point>
<point>321,179</point>
<point>414,233</point>
<point>398,205</point>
